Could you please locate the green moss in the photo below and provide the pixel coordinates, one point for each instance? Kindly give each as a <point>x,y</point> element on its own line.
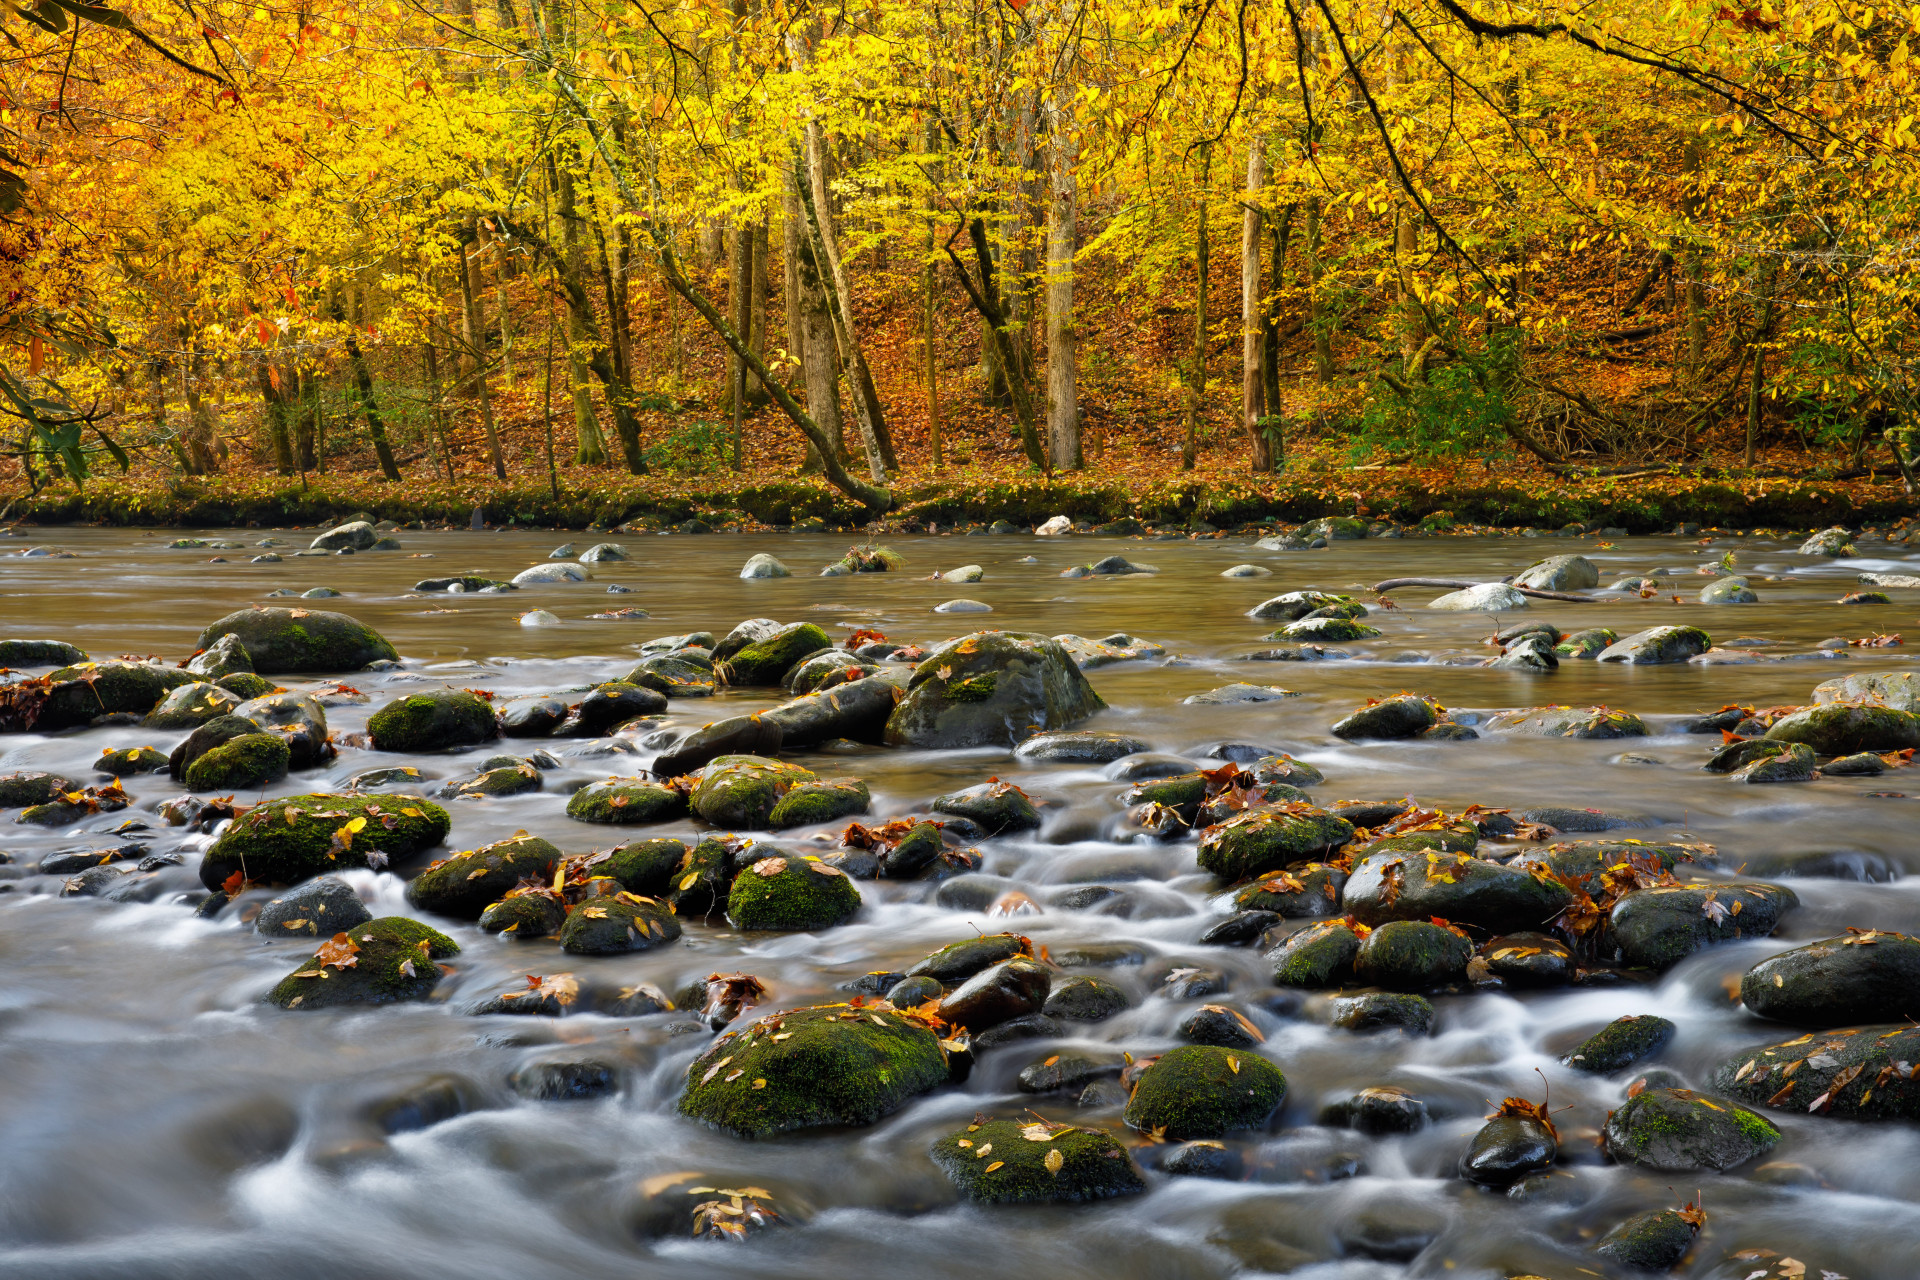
<point>791,894</point>
<point>466,883</point>
<point>190,706</point>
<point>244,763</point>
<point>433,721</point>
<point>972,689</point>
<point>1263,840</point>
<point>1311,890</point>
<point>525,915</point>
<point>617,923</point>
<point>958,961</point>
<point>282,641</point>
<point>622,800</point>
<point>644,867</point>
<point>132,760</point>
<point>246,684</point>
<point>1758,1130</point>
<point>89,689</point>
<point>1412,955</point>
<point>1319,956</point>
<point>827,1065</point>
<point>394,961</point>
<point>740,791</point>
<point>287,840</point>
<point>823,801</point>
<point>1457,838</point>
<point>1021,1162</point>
<point>30,786</point>
<point>1203,1091</point>
<point>700,881</point>
<point>1183,791</point>
<point>766,662</point>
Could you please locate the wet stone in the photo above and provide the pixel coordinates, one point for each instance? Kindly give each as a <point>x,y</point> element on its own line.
<point>1680,1131</point>
<point>1083,998</point>
<point>1621,1043</point>
<point>1203,1091</point>
<point>317,909</point>
<point>1380,1109</point>
<point>1218,1025</point>
<point>1069,1072</point>
<point>1508,1149</point>
<point>1028,1162</point>
<point>1653,1241</point>
<point>1379,1011</point>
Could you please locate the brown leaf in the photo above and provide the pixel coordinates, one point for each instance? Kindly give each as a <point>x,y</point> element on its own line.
<point>340,951</point>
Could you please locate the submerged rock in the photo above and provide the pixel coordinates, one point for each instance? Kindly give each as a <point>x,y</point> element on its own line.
<point>1653,1241</point>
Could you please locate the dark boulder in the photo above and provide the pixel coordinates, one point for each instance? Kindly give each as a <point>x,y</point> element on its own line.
<point>301,641</point>
<point>991,689</point>
<point>1680,1131</point>
<point>1859,977</point>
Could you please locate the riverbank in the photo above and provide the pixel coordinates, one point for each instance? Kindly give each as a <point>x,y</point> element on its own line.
<point>1441,497</point>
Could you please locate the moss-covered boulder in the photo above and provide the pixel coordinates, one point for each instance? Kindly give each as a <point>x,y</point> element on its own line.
<point>27,787</point>
<point>1860,977</point>
<point>226,658</point>
<point>1010,990</point>
<point>791,894</point>
<point>1033,1162</point>
<point>1294,605</point>
<point>1588,861</point>
<point>1569,722</point>
<point>617,923</point>
<point>39,653</point>
<point>1589,643</point>
<point>525,913</point>
<point>301,641</point>
<point>287,840</point>
<point>1454,836</point>
<point>1861,1073</point>
<point>379,962</point>
<point>827,1065</point>
<point>1842,728</point>
<point>1263,840</point>
<point>626,801</point>
<point>825,669</point>
<point>823,800</point>
<point>467,883</point>
<point>1310,890</point>
<point>958,961</point>
<point>1836,542</point>
<point>1400,717</point>
<point>759,734</point>
<point>126,762</point>
<point>191,705</point>
<point>740,792</point>
<point>1454,886</point>
<point>245,763</point>
<point>1680,1131</point>
<point>992,688</point>
<point>1326,630</point>
<point>1318,956</point>
<point>1658,645</point>
<point>999,807</point>
<point>1559,573</point>
<point>1657,928</point>
<point>1897,689</point>
<point>81,692</point>
<point>1653,1241</point>
<point>700,884</point>
<point>685,673</point>
<point>644,867</point>
<point>607,706</point>
<point>1412,955</point>
<point>433,721</point>
<point>1204,1091</point>
<point>1084,998</point>
<point>1621,1043</point>
<point>767,661</point>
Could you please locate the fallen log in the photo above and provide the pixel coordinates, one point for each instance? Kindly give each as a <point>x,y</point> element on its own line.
<point>1460,584</point>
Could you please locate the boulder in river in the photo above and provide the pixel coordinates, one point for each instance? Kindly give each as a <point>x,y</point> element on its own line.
<point>433,721</point>
<point>1304,891</point>
<point>1294,605</point>
<point>1559,573</point>
<point>682,673</point>
<point>1015,988</point>
<point>735,735</point>
<point>1204,1091</point>
<point>244,763</point>
<point>766,661</point>
<point>228,656</point>
<point>1079,746</point>
<point>1412,955</point>
<point>293,838</point>
<point>1897,689</point>
<point>1326,631</point>
<point>1652,1241</point>
<point>958,961</point>
<point>40,653</point>
<point>1861,1073</point>
<point>189,706</point>
<point>86,690</point>
<point>467,883</point>
<point>1834,543</point>
<point>299,720</point>
<point>827,1065</point>
<point>792,894</point>
<point>1262,840</point>
<point>1589,643</point>
<point>1795,763</point>
<point>991,688</point>
<point>1657,928</point>
<point>1083,998</point>
<point>1383,1010</point>
<point>1509,1148</point>
<point>27,787</point>
<point>1403,716</point>
<point>532,716</point>
<point>604,552</point>
<point>827,667</point>
<point>379,962</point>
<point>126,762</point>
<point>357,535</point>
<point>627,801</point>
<point>1680,1131</point>
<point>317,909</point>
<point>739,792</point>
<point>1454,886</point>
<point>1843,728</point>
<point>1486,597</point>
<point>1569,722</point>
<point>608,706</point>
<point>1658,645</point>
<point>1318,956</point>
<point>1621,1043</point>
<point>857,710</point>
<point>301,641</point>
<point>617,923</point>
<point>998,807</point>
<point>1728,590</point>
<point>1031,1161</point>
<point>554,571</point>
<point>1860,977</point>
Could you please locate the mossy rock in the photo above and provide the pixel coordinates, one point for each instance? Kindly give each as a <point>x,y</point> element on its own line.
<point>1659,927</point>
<point>1455,837</point>
<point>90,689</point>
<point>1588,862</point>
<point>1589,643</point>
<point>39,653</point>
<point>766,662</point>
<point>1326,630</point>
<point>1870,976</point>
<point>740,792</point>
<point>824,800</point>
<point>617,923</point>
<point>1263,840</point>
<point>245,763</point>
<point>1569,722</point>
<point>867,560</point>
<point>1657,645</point>
<point>1860,1073</point>
<point>31,786</point>
<point>827,1065</point>
<point>958,961</point>
<point>297,718</point>
<point>791,894</point>
<point>607,706</point>
<point>128,761</point>
<point>682,674</point>
<point>644,867</point>
<point>1399,717</point>
<point>291,839</point>
<point>190,706</point>
<point>992,688</point>
<point>500,780</point>
<point>301,641</point>
<point>246,684</point>
<point>1653,1241</point>
<point>1027,1162</point>
<point>1083,998</point>
<point>1412,955</point>
<point>525,915</point>
<point>1680,1131</point>
<point>1417,885</point>
<point>1182,791</point>
<point>824,669</point>
<point>1204,1091</point>
<point>1843,728</point>
<point>1312,890</point>
<point>467,883</point>
<point>394,962</point>
<point>701,881</point>
<point>626,802</point>
<point>433,721</point>
<point>1621,1043</point>
<point>1318,956</point>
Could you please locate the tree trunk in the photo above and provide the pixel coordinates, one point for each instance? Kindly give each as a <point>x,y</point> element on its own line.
<point>306,423</point>
<point>1412,320</point>
<point>1197,362</point>
<point>479,374</point>
<point>866,400</point>
<point>1692,160</point>
<point>436,409</point>
<point>1316,305</point>
<point>1280,236</point>
<point>864,418</point>
<point>1253,387</point>
<point>739,306</point>
<point>274,401</point>
<point>988,306</point>
<point>1063,231</point>
<point>589,446</point>
<point>762,255</point>
<point>1757,378</point>
<point>363,384</point>
<point>812,339</point>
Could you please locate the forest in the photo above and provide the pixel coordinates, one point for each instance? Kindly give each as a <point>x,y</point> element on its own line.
<point>918,246</point>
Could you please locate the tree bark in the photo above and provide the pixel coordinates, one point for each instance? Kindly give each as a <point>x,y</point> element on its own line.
<point>589,446</point>
<point>363,385</point>
<point>988,306</point>
<point>479,373</point>
<point>1063,233</point>
<point>866,400</point>
<point>851,360</point>
<point>813,339</point>
<point>1762,324</point>
<point>1316,305</point>
<point>274,401</point>
<point>1197,361</point>
<point>1253,386</point>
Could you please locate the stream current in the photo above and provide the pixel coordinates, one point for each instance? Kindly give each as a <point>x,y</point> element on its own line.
<point>157,1118</point>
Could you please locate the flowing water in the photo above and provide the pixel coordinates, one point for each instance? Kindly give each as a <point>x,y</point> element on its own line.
<point>158,1119</point>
